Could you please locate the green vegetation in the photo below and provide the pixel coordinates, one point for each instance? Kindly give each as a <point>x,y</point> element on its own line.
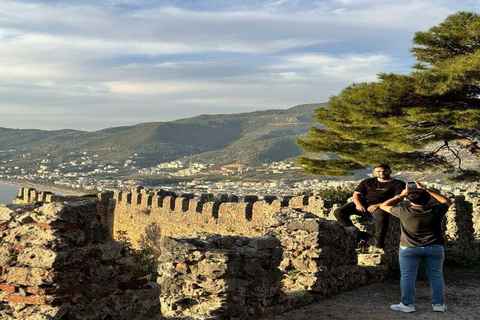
<point>250,138</point>
<point>146,258</point>
<point>335,195</point>
<point>424,121</point>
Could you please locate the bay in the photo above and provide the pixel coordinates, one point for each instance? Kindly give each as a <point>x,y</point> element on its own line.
<point>8,193</point>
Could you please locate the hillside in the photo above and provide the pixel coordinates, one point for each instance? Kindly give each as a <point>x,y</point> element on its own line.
<point>254,137</point>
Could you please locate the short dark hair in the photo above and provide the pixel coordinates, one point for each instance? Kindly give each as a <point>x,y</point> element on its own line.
<point>420,197</point>
<point>383,166</point>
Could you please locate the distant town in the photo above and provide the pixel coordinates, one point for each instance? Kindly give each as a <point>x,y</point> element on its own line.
<point>86,173</point>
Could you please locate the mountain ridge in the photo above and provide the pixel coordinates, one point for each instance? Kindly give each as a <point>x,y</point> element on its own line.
<point>250,137</point>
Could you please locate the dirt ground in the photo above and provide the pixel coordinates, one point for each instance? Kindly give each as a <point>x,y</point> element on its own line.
<point>373,302</point>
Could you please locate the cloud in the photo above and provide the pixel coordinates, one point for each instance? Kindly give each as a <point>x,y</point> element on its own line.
<point>170,59</point>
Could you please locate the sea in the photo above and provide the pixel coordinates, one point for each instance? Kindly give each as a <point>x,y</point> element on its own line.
<point>8,193</point>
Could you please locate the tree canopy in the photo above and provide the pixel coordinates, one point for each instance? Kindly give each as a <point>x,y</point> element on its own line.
<point>426,120</point>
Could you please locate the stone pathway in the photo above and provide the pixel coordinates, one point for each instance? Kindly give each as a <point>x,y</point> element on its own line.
<point>373,302</point>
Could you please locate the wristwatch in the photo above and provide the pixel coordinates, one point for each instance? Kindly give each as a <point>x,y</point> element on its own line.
<point>398,196</point>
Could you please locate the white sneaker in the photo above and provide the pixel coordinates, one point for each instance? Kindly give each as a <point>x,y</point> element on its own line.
<point>439,307</point>
<point>402,307</point>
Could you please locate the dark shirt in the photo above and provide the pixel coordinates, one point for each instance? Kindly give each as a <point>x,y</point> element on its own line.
<point>420,227</point>
<point>374,191</point>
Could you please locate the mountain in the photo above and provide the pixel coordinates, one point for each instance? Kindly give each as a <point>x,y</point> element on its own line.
<point>250,138</point>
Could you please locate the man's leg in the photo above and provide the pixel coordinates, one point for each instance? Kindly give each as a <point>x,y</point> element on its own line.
<point>343,213</point>
<point>434,256</point>
<point>409,261</point>
<point>382,219</point>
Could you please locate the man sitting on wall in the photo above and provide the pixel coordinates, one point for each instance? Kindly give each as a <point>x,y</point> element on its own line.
<point>368,197</point>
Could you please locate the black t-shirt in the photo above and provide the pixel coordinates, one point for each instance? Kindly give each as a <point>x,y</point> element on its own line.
<point>420,227</point>
<point>375,192</point>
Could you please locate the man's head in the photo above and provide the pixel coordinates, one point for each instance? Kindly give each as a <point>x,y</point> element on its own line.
<point>420,197</point>
<point>382,171</point>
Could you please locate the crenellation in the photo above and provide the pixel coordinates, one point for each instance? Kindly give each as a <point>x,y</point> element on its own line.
<point>136,198</point>
<point>157,201</point>
<point>298,202</point>
<point>128,198</point>
<point>285,201</point>
<point>21,193</point>
<point>136,189</point>
<point>169,203</point>
<point>32,195</point>
<point>147,200</point>
<point>235,213</point>
<point>181,204</point>
<point>105,196</point>
<point>211,209</point>
<point>195,205</point>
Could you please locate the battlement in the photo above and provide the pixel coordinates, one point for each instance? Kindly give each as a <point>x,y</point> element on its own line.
<point>265,257</point>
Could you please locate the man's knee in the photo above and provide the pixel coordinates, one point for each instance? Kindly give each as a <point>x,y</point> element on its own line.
<point>381,215</point>
<point>343,211</point>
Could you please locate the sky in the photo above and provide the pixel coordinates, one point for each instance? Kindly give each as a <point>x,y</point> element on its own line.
<point>90,65</point>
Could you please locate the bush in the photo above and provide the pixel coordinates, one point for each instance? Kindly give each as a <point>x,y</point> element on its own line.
<point>145,258</point>
<point>338,195</point>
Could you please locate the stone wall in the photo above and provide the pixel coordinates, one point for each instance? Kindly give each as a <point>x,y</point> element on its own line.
<point>294,253</point>
<point>185,215</point>
<point>220,277</point>
<point>58,261</point>
<point>301,259</point>
<point>320,256</point>
<point>459,227</point>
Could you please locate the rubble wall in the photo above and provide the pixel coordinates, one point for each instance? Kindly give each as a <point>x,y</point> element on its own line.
<point>459,226</point>
<point>58,261</point>
<point>220,277</point>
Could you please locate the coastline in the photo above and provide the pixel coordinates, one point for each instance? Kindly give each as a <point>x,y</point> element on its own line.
<point>43,187</point>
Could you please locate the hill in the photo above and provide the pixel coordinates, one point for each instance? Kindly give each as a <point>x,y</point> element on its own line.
<point>250,138</point>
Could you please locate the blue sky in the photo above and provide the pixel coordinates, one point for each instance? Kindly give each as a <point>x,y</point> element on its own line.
<point>89,65</point>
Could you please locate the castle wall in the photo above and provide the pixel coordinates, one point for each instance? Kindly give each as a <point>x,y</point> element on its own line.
<point>58,261</point>
<point>185,216</point>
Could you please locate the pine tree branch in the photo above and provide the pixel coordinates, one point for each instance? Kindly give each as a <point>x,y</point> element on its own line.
<point>455,153</point>
<point>431,155</point>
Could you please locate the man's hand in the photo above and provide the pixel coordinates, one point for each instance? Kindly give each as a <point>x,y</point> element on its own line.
<point>361,208</point>
<point>419,185</point>
<point>373,207</point>
<point>405,192</point>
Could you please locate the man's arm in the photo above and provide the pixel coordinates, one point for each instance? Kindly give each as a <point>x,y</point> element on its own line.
<point>440,198</point>
<point>357,199</point>
<point>388,205</point>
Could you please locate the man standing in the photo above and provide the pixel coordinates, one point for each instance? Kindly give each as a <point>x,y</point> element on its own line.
<point>368,197</point>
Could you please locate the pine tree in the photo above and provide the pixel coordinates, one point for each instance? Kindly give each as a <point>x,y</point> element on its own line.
<point>426,120</point>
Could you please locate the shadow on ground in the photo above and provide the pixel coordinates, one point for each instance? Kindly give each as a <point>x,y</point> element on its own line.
<point>373,302</point>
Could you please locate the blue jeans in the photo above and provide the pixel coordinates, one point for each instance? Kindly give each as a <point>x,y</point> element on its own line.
<point>432,256</point>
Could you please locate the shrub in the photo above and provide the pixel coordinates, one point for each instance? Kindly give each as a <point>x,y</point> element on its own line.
<point>145,258</point>
<point>336,195</point>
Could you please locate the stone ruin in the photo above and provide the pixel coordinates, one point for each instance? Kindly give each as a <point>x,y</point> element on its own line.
<point>58,261</point>
<point>267,257</point>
